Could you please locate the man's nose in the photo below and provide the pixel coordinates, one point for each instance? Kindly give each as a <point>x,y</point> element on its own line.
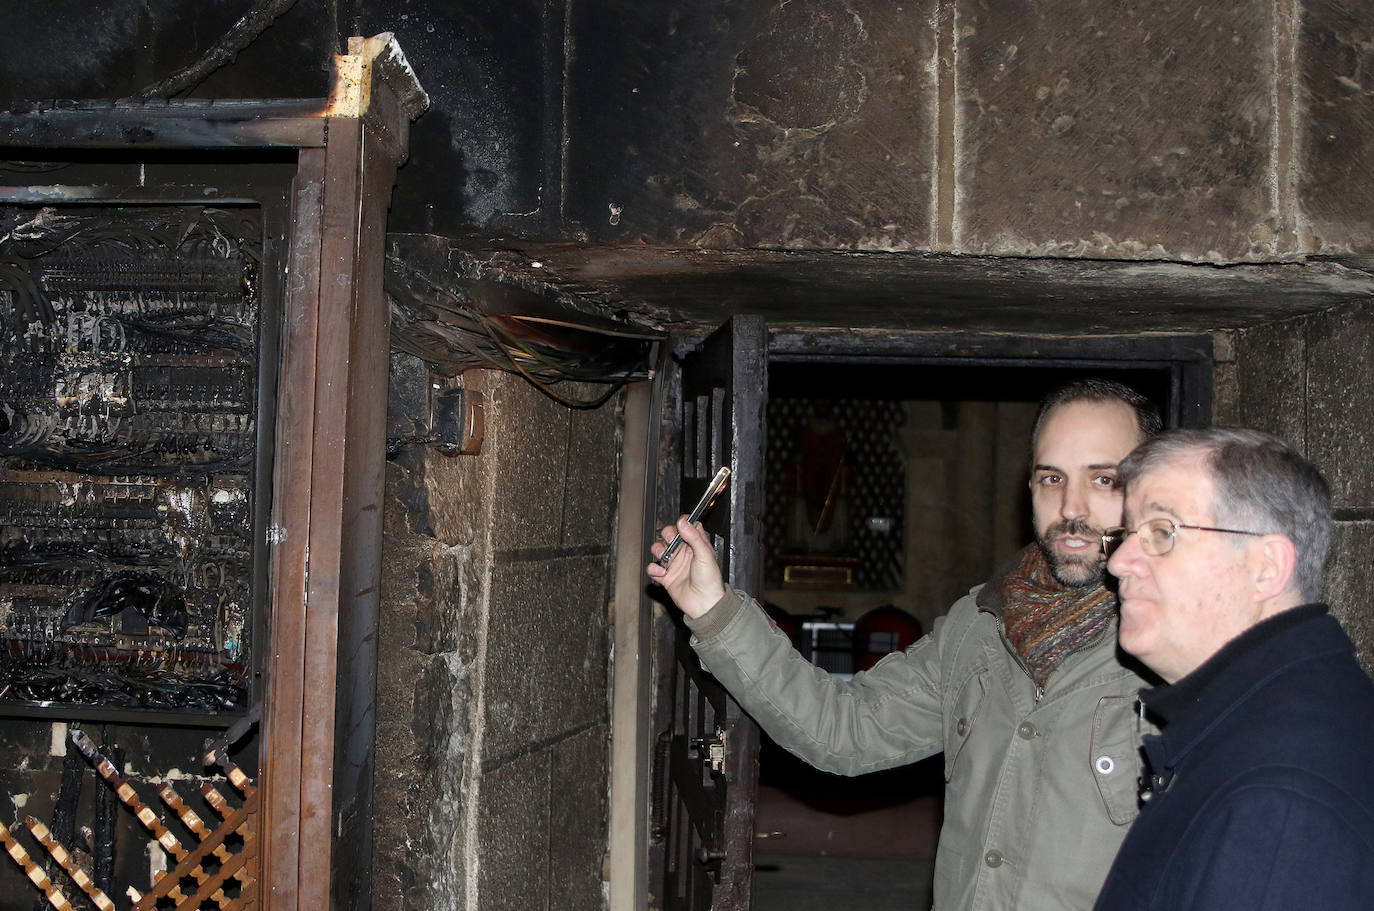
<point>1126,557</point>
<point>1074,505</point>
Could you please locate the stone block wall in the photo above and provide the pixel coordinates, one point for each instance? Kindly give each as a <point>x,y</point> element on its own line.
<point>1116,130</point>
<point>493,699</point>
<point>1228,132</point>
<point>1335,52</point>
<point>1307,380</point>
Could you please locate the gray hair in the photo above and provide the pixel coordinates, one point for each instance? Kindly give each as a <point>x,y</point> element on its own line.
<point>1260,483</point>
<point>1095,389</point>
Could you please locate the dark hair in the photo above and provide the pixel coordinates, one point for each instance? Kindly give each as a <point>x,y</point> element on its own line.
<point>1095,389</point>
<point>1259,483</point>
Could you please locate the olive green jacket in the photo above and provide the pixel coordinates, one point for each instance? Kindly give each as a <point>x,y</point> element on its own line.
<point>1040,786</point>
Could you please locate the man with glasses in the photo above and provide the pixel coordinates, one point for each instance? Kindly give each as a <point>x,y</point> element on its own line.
<point>1261,784</point>
<point>1020,684</point>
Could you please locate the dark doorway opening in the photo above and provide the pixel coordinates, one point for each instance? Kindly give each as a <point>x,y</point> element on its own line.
<point>923,461</point>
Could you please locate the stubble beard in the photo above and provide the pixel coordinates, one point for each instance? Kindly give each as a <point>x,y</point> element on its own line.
<point>1072,571</point>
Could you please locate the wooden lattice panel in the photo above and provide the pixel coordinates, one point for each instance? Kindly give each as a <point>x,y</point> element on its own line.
<point>224,857</point>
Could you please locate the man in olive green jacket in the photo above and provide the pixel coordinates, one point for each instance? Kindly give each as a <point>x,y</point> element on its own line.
<point>1021,685</point>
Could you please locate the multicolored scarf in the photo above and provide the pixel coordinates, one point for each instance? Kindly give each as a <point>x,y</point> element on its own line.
<point>1046,621</point>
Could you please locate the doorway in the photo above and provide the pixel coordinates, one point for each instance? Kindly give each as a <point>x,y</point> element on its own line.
<point>895,485</point>
<point>956,410</point>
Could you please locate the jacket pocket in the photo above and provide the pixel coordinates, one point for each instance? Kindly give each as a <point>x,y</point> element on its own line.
<point>1114,756</point>
<point>961,717</point>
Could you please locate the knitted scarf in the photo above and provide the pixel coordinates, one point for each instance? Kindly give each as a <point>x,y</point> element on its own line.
<point>1046,621</point>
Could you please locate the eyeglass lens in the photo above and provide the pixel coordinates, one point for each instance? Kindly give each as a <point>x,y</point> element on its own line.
<point>1156,537</point>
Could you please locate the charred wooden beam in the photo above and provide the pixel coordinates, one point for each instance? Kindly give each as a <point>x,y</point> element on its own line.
<point>190,124</point>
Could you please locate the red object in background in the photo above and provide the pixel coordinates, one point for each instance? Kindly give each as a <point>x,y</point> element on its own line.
<point>880,631</point>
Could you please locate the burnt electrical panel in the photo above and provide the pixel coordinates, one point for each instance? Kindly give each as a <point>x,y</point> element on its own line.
<point>130,382</point>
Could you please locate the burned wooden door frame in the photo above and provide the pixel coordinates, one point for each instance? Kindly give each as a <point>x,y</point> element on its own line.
<point>325,533</point>
<point>705,771</point>
<point>319,721</point>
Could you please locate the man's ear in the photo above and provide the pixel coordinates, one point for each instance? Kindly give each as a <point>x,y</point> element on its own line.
<point>1275,559</point>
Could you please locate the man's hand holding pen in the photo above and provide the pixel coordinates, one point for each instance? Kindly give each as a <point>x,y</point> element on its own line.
<point>692,577</point>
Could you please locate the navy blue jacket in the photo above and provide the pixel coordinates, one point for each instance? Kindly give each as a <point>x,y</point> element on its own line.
<point>1262,785</point>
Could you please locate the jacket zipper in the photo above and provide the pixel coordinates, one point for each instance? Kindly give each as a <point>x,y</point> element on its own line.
<point>1020,662</point>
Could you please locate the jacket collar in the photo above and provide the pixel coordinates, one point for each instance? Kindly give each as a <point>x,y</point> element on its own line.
<point>989,597</point>
<point>1189,708</point>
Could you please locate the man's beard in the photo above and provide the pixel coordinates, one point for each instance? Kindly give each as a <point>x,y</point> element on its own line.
<point>1072,571</point>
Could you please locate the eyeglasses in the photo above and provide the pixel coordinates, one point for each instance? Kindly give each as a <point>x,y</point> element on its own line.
<point>1157,535</point>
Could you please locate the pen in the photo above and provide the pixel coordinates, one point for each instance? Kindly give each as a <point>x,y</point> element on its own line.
<point>712,491</point>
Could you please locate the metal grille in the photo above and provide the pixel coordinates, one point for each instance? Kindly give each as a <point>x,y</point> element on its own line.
<point>877,489</point>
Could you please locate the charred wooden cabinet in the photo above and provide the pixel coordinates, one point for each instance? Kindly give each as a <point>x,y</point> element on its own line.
<point>705,775</point>
<point>192,435</point>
